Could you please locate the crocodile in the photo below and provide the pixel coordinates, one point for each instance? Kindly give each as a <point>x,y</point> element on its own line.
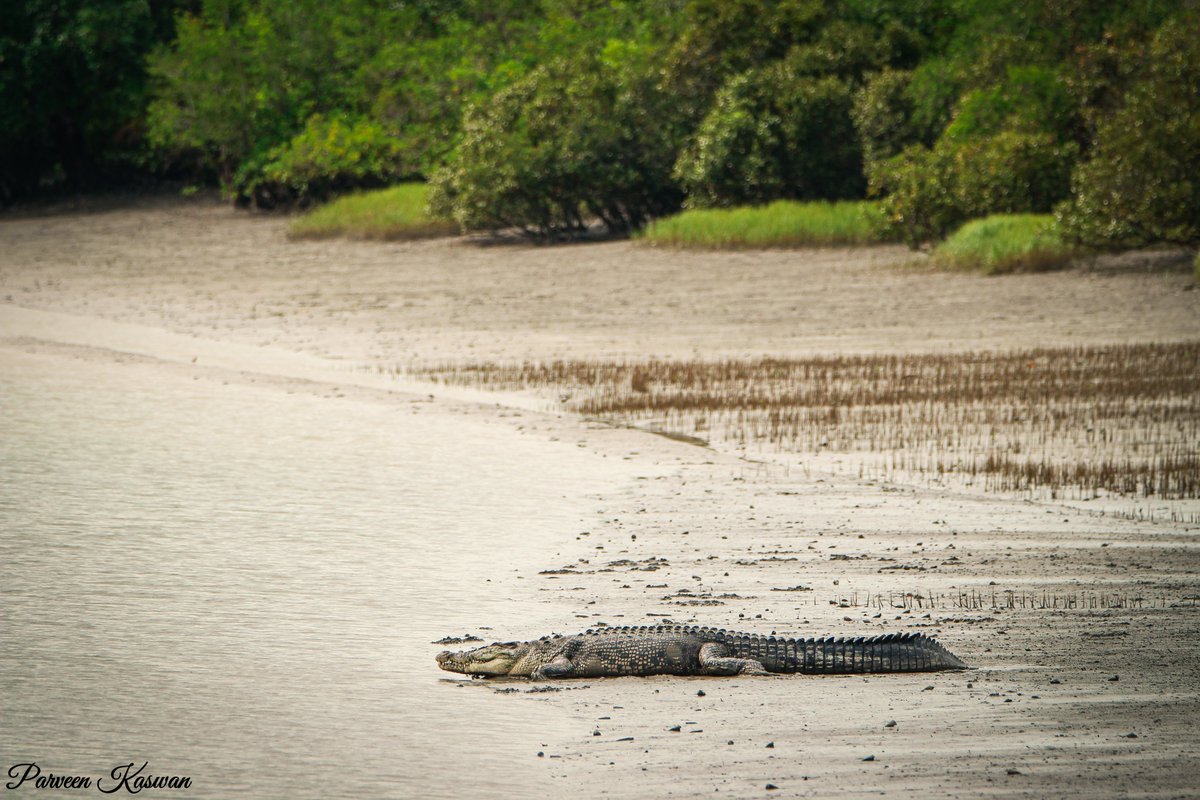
<point>694,650</point>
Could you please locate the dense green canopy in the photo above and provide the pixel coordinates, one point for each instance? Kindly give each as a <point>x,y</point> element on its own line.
<point>544,115</point>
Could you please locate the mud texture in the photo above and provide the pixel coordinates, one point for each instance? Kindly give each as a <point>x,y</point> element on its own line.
<point>1083,629</point>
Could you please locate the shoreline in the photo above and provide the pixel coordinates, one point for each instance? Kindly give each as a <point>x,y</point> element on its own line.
<point>192,267</point>
<point>701,535</point>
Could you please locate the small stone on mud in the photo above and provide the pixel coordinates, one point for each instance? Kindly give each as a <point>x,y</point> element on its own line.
<point>891,723</point>
<point>869,758</point>
<point>771,786</point>
<point>700,693</point>
<point>770,744</point>
<point>675,728</point>
<point>1114,678</point>
<point>541,754</point>
<point>1131,736</point>
<point>1015,772</point>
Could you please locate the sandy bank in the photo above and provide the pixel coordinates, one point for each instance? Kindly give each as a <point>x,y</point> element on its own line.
<point>1083,628</point>
<point>234,276</point>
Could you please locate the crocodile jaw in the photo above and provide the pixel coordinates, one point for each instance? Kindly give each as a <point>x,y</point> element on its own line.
<point>490,661</point>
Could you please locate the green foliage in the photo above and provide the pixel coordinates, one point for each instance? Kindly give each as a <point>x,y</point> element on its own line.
<point>1031,99</point>
<point>882,115</point>
<point>817,38</point>
<point>416,88</point>
<point>547,115</point>
<point>398,212</point>
<point>726,37</point>
<point>990,57</point>
<point>243,78</point>
<point>930,192</point>
<point>1142,183</point>
<point>1010,110</point>
<point>781,123</point>
<point>418,85</point>
<point>573,139</point>
<point>197,107</point>
<point>1006,243</point>
<point>784,223</point>
<point>327,157</point>
<point>932,93</point>
<point>73,90</point>
<point>773,134</point>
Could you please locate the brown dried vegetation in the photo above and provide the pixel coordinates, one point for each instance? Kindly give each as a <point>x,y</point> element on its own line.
<point>1120,419</point>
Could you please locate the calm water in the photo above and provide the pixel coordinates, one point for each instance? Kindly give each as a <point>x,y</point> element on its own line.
<point>241,585</point>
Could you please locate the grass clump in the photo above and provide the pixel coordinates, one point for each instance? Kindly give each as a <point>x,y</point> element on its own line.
<point>784,223</point>
<point>1004,243</point>
<point>398,212</point>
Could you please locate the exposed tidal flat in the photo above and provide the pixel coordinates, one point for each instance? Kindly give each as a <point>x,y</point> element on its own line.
<point>231,534</point>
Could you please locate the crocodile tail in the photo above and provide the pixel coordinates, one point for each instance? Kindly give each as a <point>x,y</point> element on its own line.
<point>893,652</point>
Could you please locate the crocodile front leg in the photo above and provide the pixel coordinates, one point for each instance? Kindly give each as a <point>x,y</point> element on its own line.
<point>713,661</point>
<point>560,667</point>
<point>563,663</point>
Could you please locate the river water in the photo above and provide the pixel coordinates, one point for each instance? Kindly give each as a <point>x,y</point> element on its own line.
<point>239,583</point>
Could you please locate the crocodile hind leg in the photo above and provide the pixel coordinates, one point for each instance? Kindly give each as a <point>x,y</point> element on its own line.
<point>713,661</point>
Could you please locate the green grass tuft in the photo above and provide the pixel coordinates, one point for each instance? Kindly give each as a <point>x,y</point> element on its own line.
<point>784,223</point>
<point>1006,243</point>
<point>397,212</point>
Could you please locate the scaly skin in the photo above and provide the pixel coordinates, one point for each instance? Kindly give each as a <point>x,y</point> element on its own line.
<point>688,650</point>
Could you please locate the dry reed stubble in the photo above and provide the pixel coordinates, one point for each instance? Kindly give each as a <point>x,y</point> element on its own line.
<point>1119,419</point>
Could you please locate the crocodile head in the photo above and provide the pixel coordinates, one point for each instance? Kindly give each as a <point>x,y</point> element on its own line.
<point>490,661</point>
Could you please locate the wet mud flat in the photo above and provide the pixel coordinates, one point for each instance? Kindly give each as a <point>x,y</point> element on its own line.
<point>1082,628</point>
<point>1081,631</point>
